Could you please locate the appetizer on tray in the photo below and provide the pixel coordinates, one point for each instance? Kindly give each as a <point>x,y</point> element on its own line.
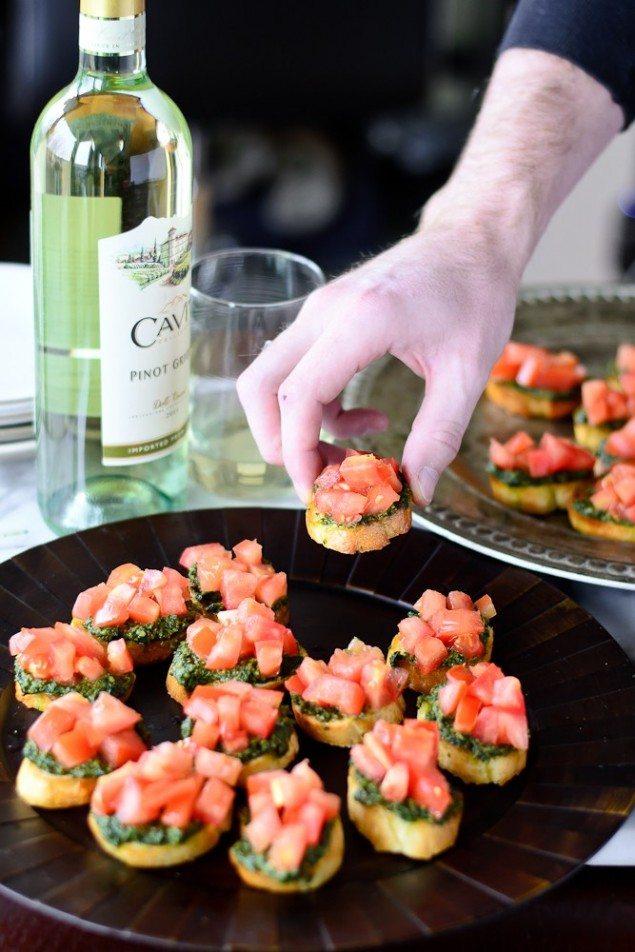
<point>538,478</point>
<point>534,382</point>
<point>482,723</point>
<point>619,447</point>
<point>73,743</point>
<point>221,580</point>
<point>608,508</point>
<point>145,607</point>
<point>439,633</point>
<point>244,644</point>
<point>291,834</point>
<point>359,505</point>
<point>624,366</point>
<point>50,662</point>
<point>604,409</point>
<point>397,797</point>
<point>169,807</point>
<point>339,701</point>
<point>245,722</point>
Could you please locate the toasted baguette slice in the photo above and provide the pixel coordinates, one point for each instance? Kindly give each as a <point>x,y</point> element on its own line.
<point>146,856</point>
<point>589,436</point>
<point>41,701</point>
<point>540,499</point>
<point>617,531</point>
<point>326,867</point>
<point>423,683</point>
<point>43,789</point>
<point>270,761</point>
<point>360,537</point>
<point>348,730</point>
<point>389,833</point>
<point>526,404</point>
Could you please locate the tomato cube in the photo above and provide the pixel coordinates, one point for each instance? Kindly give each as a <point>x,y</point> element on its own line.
<point>507,693</point>
<point>288,790</point>
<point>214,802</point>
<point>127,574</point>
<point>179,808</point>
<point>151,580</point>
<point>62,655</point>
<point>201,708</point>
<point>367,765</point>
<point>258,719</point>
<point>112,715</point>
<point>460,600</point>
<point>450,695</point>
<point>89,668</point>
<point>89,601</point>
<point>118,749</point>
<point>234,741</point>
<point>226,651</point>
<point>267,696</point>
<point>263,827</point>
<point>347,696</point>
<point>108,790</point>
<point>512,729</point>
<point>205,735</point>
<point>52,723</point>
<point>166,761</point>
<point>202,635</point>
<point>380,751</point>
<point>342,505</point>
<point>483,685</point>
<point>143,610</point>
<point>377,685</point>
<point>466,714</point>
<point>430,652</point>
<point>310,670</point>
<point>431,790</point>
<point>288,848</point>
<point>249,551</point>
<point>228,706</point>
<point>294,685</point>
<point>485,606</point>
<point>429,603</point>
<point>330,802</point>
<point>348,664</point>
<point>486,727</point>
<point>119,658</point>
<point>74,747</point>
<point>171,600</point>
<point>272,589</point>
<point>214,763</point>
<point>379,499</point>
<point>235,586</point>
<point>395,784</point>
<point>312,816</point>
<point>269,657</point>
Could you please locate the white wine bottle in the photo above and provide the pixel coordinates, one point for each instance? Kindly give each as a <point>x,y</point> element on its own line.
<point>111,236</point>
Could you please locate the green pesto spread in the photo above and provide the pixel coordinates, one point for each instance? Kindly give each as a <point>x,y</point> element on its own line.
<point>428,710</point>
<point>321,712</point>
<point>369,794</point>
<point>543,393</point>
<point>118,685</point>
<point>245,854</point>
<point>580,416</point>
<point>166,628</point>
<point>519,477</point>
<point>403,502</point>
<point>189,670</point>
<point>277,743</point>
<point>95,767</point>
<point>151,834</point>
<point>586,508</point>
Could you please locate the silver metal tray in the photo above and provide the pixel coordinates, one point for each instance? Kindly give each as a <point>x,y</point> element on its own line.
<point>589,321</point>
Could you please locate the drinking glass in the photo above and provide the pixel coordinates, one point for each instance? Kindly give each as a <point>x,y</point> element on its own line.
<point>241,300</point>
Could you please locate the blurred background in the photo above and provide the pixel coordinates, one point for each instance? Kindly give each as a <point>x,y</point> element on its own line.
<point>320,128</point>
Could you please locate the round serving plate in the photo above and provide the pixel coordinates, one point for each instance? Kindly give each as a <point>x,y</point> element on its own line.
<point>591,322</point>
<point>515,842</point>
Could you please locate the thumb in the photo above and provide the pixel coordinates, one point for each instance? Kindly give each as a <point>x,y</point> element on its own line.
<point>437,431</point>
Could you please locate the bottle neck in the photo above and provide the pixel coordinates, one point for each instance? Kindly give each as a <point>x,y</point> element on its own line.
<point>114,46</point>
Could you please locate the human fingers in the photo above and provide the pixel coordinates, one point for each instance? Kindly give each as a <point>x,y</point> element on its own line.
<point>438,428</point>
<point>342,423</point>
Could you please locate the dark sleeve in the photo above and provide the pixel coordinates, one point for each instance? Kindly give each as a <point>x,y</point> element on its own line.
<point>596,35</point>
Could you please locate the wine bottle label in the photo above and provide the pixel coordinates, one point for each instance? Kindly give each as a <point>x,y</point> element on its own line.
<point>119,37</point>
<point>144,300</point>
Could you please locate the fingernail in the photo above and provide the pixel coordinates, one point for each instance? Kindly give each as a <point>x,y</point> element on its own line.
<point>426,482</point>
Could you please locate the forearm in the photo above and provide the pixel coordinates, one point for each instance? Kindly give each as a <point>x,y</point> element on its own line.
<point>542,124</point>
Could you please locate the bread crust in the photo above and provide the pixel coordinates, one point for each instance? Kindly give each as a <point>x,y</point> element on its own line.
<point>146,856</point>
<point>526,404</point>
<point>361,537</point>
<point>538,500</point>
<point>389,833</point>
<point>269,761</point>
<point>599,528</point>
<point>589,436</point>
<point>326,867</point>
<point>40,788</point>
<point>349,730</point>
<point>423,683</point>
<point>41,701</point>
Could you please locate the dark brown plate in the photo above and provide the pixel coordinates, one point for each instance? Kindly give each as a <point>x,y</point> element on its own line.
<point>514,843</point>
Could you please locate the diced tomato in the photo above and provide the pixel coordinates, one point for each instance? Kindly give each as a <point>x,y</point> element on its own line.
<point>539,463</point>
<point>272,588</point>
<point>329,476</point>
<point>175,578</point>
<point>180,807</point>
<point>112,715</point>
<point>88,668</point>
<point>249,608</point>
<point>50,725</point>
<point>258,719</point>
<point>74,747</point>
<point>269,657</point>
<point>288,790</point>
<point>430,652</point>
<point>294,685</point>
<point>201,636</point>
<point>118,749</point>
<point>415,746</point>
<point>206,735</point>
<point>128,573</point>
<point>267,696</point>
<point>486,727</point>
<point>119,658</point>
<point>429,604</point>
<point>143,610</point>
<point>330,802</point>
<point>343,506</point>
<point>512,729</point>
<point>62,654</point>
<point>191,555</point>
<point>622,442</point>
<point>507,693</point>
<point>213,763</point>
<point>89,601</point>
<point>73,702</point>
<point>114,611</point>
<point>379,499</point>
<point>288,848</point>
<point>84,643</point>
<point>249,551</point>
<point>345,663</point>
<point>500,456</point>
<point>625,358</point>
<point>310,670</point>
<point>377,684</point>
<point>380,751</point>
<point>460,600</point>
<point>411,629</point>
<point>226,651</point>
<point>132,808</point>
<point>483,685</point>
<point>210,571</point>
<point>360,472</point>
<point>485,606</point>
<point>307,775</point>
<point>166,761</point>
<point>108,789</point>
<point>450,694</point>
<point>263,828</point>
<point>201,708</point>
<point>228,713</point>
<point>151,580</point>
<point>602,403</point>
<point>385,732</point>
<point>466,714</point>
<point>234,741</point>
<point>469,645</point>
<point>171,600</point>
<point>625,490</point>
<point>235,586</point>
<point>430,789</point>
<point>312,816</point>
<point>347,696</point>
<point>395,784</point>
<point>449,623</point>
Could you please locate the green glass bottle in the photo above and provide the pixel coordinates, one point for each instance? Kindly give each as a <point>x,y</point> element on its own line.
<point>111,235</point>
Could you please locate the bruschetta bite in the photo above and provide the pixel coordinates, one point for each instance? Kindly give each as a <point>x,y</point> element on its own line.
<point>442,631</point>
<point>220,579</point>
<point>619,447</point>
<point>338,701</point>
<point>397,797</point>
<point>291,834</point>
<point>534,382</point>
<point>169,807</point>
<point>607,510</point>
<point>482,723</point>
<point>243,721</point>
<point>359,505</point>
<point>50,662</point>
<point>243,644</point>
<point>604,409</point>
<point>71,744</point>
<point>538,478</point>
<point>145,607</point>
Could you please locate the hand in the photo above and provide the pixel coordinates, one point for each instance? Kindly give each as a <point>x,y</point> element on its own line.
<point>441,301</point>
